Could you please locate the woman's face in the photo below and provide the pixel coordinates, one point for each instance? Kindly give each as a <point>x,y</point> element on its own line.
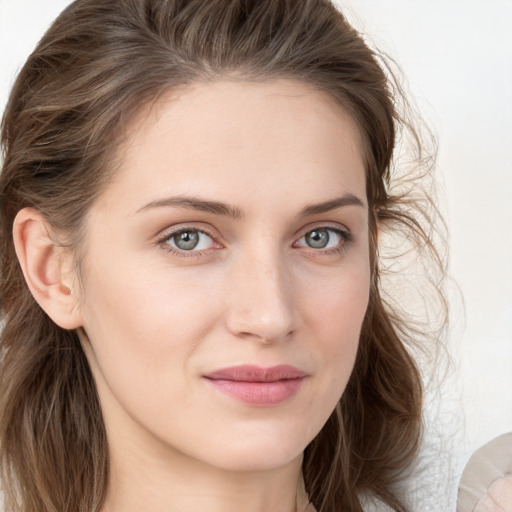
<point>226,274</point>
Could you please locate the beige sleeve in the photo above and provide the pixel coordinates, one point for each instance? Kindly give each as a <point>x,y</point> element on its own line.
<point>486,483</point>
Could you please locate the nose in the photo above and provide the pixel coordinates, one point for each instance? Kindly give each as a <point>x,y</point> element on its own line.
<point>261,299</point>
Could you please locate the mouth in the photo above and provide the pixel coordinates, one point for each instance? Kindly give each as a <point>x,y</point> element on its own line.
<point>258,386</point>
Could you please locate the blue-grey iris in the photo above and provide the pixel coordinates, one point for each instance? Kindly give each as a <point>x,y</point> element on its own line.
<point>317,239</point>
<point>187,240</point>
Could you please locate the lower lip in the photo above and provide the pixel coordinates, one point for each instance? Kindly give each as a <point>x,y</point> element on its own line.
<point>260,394</point>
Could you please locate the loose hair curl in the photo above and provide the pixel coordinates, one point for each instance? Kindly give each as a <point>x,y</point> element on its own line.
<point>92,71</point>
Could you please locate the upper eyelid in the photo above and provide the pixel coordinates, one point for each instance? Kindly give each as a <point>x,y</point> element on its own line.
<point>344,234</point>
<point>335,226</point>
<point>163,241</point>
<point>172,231</point>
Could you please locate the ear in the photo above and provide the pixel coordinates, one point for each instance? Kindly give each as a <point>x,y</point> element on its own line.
<point>48,268</point>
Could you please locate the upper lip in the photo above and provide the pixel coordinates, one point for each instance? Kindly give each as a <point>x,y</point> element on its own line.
<point>251,373</point>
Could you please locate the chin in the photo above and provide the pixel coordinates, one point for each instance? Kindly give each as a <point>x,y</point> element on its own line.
<point>255,450</point>
<point>255,460</point>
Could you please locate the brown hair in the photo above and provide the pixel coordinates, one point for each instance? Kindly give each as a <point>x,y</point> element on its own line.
<point>92,71</point>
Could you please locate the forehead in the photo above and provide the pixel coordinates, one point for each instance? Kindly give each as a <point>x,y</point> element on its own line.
<point>213,138</point>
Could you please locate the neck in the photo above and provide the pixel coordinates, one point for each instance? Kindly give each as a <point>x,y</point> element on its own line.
<point>180,483</point>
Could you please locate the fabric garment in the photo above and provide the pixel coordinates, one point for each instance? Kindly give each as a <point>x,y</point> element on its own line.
<point>486,483</point>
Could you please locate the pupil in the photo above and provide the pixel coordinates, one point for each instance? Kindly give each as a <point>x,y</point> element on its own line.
<point>318,238</point>
<point>187,240</point>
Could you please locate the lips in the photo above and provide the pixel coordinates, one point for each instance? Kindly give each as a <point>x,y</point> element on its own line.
<point>256,385</point>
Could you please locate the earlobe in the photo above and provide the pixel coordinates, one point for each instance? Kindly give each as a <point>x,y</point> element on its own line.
<point>47,268</point>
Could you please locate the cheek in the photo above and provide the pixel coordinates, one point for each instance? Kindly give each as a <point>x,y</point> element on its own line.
<point>337,304</point>
<point>334,311</point>
<point>145,340</point>
<point>147,324</point>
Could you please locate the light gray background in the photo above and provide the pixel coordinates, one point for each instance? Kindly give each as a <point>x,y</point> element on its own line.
<point>457,56</point>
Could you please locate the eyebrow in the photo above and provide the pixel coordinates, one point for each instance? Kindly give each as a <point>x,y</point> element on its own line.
<point>224,209</point>
<point>194,203</point>
<point>333,204</point>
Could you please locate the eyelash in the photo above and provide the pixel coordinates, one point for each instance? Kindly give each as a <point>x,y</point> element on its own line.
<point>346,237</point>
<point>163,242</point>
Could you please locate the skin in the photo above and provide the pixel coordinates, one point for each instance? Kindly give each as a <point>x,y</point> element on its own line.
<point>498,498</point>
<point>154,320</point>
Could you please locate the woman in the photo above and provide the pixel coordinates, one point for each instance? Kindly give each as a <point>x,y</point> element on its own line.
<point>191,197</point>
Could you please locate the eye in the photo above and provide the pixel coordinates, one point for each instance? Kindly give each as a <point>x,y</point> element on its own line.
<point>189,240</point>
<point>324,238</point>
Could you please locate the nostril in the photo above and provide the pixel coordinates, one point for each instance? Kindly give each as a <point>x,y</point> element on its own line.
<point>264,329</point>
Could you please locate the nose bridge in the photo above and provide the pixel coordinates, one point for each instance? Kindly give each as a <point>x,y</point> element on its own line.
<point>261,295</point>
